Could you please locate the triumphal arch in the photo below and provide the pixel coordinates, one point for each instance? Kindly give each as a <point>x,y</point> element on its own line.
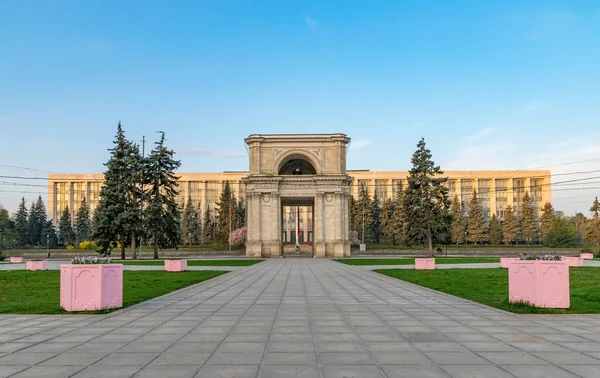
<point>298,195</point>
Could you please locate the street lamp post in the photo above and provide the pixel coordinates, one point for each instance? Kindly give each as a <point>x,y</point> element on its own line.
<point>48,245</point>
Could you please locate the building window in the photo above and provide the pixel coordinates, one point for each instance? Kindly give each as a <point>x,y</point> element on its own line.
<point>518,193</point>
<point>466,193</point>
<point>212,194</point>
<point>396,188</point>
<point>451,185</point>
<point>196,193</point>
<point>483,193</point>
<point>363,184</point>
<point>381,189</point>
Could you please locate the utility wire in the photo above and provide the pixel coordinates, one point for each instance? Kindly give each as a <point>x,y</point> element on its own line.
<point>26,168</point>
<point>24,177</point>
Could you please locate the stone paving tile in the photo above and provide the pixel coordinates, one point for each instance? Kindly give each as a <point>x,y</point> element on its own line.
<point>352,371</point>
<point>539,371</point>
<point>108,372</point>
<point>476,371</point>
<point>413,371</point>
<point>7,371</point>
<point>153,371</point>
<point>49,371</point>
<point>216,371</point>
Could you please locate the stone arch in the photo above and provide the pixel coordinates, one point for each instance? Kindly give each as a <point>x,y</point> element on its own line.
<point>309,163</point>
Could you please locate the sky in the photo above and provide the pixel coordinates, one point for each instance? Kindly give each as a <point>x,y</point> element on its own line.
<point>488,84</point>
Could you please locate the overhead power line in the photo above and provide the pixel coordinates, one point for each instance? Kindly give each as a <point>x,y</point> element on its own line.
<point>26,168</point>
<point>21,184</point>
<point>24,177</point>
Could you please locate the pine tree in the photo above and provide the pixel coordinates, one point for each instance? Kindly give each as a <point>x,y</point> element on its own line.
<point>66,234</point>
<point>191,224</point>
<point>49,235</point>
<point>118,212</point>
<point>398,218</point>
<point>387,214</point>
<point>354,214</point>
<point>426,203</point>
<point>22,224</point>
<point>374,234</point>
<point>207,227</point>
<point>37,222</point>
<point>592,229</point>
<point>224,211</point>
<point>510,226</point>
<point>458,222</point>
<point>33,236</point>
<point>83,225</point>
<point>495,231</point>
<point>548,216</point>
<point>528,223</point>
<point>162,215</point>
<point>240,213</point>
<point>364,207</point>
<point>476,227</point>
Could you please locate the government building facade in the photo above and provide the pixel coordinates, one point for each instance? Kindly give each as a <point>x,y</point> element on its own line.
<point>297,192</point>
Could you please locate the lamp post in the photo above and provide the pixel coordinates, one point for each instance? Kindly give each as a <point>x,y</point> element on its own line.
<point>48,245</point>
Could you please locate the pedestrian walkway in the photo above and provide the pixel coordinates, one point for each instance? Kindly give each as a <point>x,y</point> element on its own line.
<point>302,318</point>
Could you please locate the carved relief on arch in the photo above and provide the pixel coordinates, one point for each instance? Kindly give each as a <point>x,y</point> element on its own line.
<point>328,197</point>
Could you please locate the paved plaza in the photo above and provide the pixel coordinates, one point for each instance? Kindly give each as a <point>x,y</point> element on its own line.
<point>301,318</point>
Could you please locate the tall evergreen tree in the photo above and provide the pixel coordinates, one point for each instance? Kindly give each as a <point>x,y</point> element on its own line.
<point>22,224</point>
<point>592,229</point>
<point>426,203</point>
<point>118,212</point>
<point>224,210</point>
<point>477,227</point>
<point>563,234</point>
<point>66,234</point>
<point>548,216</point>
<point>191,224</point>
<point>240,213</point>
<point>162,215</point>
<point>459,223</point>
<point>387,214</point>
<point>354,214</point>
<point>364,207</point>
<point>7,228</point>
<point>510,226</point>
<point>495,231</point>
<point>580,223</point>
<point>208,234</point>
<point>374,234</point>
<point>528,222</point>
<point>83,225</point>
<point>398,218</point>
<point>37,222</point>
<point>33,233</point>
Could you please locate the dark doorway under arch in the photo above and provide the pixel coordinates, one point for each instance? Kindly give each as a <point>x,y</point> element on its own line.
<point>297,167</point>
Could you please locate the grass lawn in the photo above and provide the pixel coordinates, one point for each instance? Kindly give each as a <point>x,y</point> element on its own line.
<point>490,287</point>
<point>191,262</point>
<point>26,292</point>
<point>411,261</point>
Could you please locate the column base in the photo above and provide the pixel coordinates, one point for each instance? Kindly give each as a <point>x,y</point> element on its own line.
<point>319,250</point>
<point>254,249</point>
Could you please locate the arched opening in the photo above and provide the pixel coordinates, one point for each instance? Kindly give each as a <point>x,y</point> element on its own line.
<point>297,166</point>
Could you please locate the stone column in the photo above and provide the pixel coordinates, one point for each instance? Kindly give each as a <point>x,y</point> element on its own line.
<point>276,225</point>
<point>254,243</point>
<point>339,221</point>
<point>320,234</point>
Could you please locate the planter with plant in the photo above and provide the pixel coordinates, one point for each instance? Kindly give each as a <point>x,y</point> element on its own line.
<point>541,281</point>
<point>175,265</point>
<point>424,263</point>
<point>37,264</point>
<point>91,283</point>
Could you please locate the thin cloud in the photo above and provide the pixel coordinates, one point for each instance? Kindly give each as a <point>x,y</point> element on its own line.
<point>210,153</point>
<point>481,133</point>
<point>313,24</point>
<point>360,144</point>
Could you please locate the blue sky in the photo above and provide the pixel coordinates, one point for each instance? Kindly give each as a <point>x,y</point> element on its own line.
<point>489,84</point>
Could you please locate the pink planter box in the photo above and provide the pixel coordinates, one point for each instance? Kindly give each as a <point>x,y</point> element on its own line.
<point>505,261</point>
<point>586,255</point>
<point>541,283</point>
<point>91,286</point>
<point>425,263</point>
<point>175,265</point>
<point>573,261</point>
<point>37,265</point>
<point>16,259</point>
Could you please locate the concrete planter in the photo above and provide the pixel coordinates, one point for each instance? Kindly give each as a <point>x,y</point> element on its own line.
<point>573,261</point>
<point>89,287</point>
<point>425,263</point>
<point>586,255</point>
<point>505,261</point>
<point>37,265</point>
<point>175,265</point>
<point>542,283</point>
<point>16,259</point>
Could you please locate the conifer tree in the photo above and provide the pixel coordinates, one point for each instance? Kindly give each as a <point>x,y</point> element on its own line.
<point>224,211</point>
<point>22,224</point>
<point>528,223</point>
<point>547,220</point>
<point>459,225</point>
<point>510,226</point>
<point>364,207</point>
<point>49,235</point>
<point>477,227</point>
<point>240,213</point>
<point>7,228</point>
<point>354,214</point>
<point>495,231</point>
<point>191,224</point>
<point>66,235</point>
<point>207,227</point>
<point>387,214</point>
<point>118,212</point>
<point>162,215</point>
<point>33,236</point>
<point>426,204</point>
<point>398,219</point>
<point>83,226</point>
<point>37,222</point>
<point>375,230</point>
<point>592,229</point>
